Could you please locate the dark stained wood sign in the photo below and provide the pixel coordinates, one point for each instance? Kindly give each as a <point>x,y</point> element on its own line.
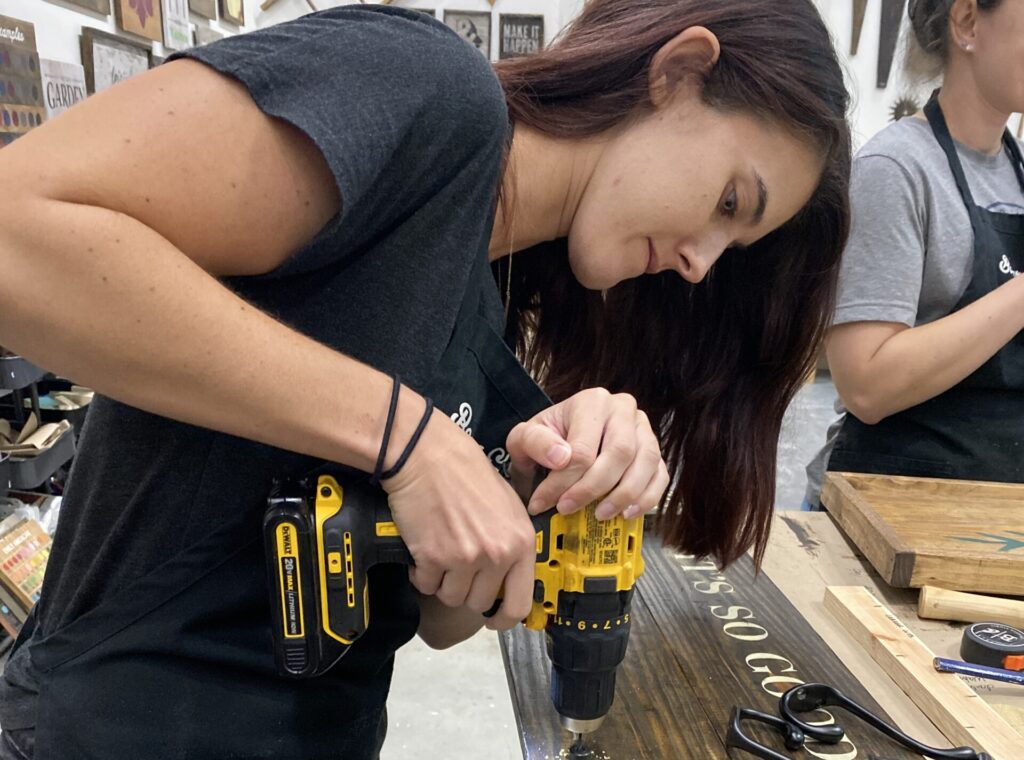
<point>701,643</point>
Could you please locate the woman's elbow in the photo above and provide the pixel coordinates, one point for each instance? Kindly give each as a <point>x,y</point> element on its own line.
<point>865,408</point>
<point>439,640</point>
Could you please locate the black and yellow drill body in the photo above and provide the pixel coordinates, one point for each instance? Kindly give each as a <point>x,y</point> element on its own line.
<point>585,572</point>
<point>322,539</point>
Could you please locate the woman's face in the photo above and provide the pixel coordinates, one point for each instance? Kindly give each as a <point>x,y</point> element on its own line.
<point>997,56</point>
<point>674,190</point>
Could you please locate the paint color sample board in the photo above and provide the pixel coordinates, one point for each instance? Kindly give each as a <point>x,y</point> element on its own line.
<point>957,534</point>
<point>702,642</point>
<point>21,86</point>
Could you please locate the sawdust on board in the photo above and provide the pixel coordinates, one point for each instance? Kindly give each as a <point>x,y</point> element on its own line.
<point>566,755</point>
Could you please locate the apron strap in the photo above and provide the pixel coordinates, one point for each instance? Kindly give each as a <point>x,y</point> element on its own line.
<point>941,131</point>
<point>1013,148</point>
<point>940,128</point>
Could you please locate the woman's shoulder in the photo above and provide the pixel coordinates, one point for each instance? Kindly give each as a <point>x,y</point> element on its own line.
<point>907,145</point>
<point>403,48</point>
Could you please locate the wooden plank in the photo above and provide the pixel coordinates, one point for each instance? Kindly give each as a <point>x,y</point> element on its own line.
<point>961,535</point>
<point>959,713</point>
<point>702,642</point>
<point>807,553</point>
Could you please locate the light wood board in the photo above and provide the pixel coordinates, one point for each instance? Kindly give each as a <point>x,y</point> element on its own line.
<point>806,554</point>
<point>961,715</point>
<point>957,534</point>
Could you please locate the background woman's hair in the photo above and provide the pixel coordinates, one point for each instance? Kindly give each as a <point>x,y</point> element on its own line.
<point>928,50</point>
<point>714,365</point>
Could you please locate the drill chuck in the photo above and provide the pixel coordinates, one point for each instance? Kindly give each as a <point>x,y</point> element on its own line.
<point>586,644</point>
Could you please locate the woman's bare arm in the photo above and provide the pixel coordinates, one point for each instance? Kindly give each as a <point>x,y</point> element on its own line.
<point>881,368</point>
<point>125,207</point>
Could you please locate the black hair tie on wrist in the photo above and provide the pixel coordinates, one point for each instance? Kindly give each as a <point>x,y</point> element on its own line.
<point>396,387</point>
<point>427,412</point>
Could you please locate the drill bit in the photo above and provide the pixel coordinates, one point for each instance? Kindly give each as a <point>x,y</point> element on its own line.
<point>578,750</point>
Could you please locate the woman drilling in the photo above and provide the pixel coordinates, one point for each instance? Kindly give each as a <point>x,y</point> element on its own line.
<point>276,252</point>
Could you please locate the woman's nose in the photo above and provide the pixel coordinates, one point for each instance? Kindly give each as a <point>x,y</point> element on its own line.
<point>695,260</point>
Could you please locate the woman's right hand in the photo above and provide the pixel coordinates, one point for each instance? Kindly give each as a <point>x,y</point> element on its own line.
<point>466,528</point>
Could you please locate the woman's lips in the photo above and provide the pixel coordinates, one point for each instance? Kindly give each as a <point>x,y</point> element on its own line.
<point>652,258</point>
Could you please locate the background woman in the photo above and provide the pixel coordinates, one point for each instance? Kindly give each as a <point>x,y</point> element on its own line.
<point>926,350</point>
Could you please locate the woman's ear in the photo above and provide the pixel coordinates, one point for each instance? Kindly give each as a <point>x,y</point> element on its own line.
<point>694,51</point>
<point>963,18</point>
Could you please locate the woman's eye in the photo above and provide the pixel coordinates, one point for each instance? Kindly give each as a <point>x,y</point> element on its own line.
<point>729,203</point>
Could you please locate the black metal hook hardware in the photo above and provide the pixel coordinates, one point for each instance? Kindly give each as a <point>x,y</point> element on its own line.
<point>795,732</point>
<point>791,735</point>
<point>812,696</point>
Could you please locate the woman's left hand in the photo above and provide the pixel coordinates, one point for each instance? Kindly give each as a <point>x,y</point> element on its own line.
<point>597,445</point>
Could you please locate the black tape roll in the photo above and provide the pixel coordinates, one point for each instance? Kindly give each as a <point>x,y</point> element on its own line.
<point>991,643</point>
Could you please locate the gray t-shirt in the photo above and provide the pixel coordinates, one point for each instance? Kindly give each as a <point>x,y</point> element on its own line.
<point>910,250</point>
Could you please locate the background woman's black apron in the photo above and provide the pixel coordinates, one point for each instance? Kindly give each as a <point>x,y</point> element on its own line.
<point>975,430</point>
<point>180,664</point>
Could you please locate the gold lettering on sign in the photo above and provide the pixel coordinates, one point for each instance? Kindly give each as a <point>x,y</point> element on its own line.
<point>739,626</point>
<point>760,635</point>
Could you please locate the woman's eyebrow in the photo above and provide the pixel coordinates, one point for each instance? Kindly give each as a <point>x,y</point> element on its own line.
<point>762,200</point>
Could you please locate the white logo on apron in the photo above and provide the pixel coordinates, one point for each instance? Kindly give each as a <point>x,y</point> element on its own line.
<point>498,456</point>
<point>1005,268</point>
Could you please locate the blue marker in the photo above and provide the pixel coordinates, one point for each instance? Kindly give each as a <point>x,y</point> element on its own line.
<point>981,671</point>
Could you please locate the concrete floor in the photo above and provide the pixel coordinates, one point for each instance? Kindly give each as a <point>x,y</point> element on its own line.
<point>454,705</point>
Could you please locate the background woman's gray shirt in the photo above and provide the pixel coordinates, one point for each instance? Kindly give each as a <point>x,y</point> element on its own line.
<point>908,258</point>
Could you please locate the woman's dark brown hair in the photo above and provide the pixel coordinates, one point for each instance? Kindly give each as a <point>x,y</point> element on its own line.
<point>714,365</point>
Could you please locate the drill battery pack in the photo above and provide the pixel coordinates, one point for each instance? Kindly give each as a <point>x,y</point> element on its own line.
<point>320,540</point>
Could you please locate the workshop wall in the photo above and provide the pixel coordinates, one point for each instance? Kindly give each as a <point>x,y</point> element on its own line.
<point>873,106</point>
<point>58,25</point>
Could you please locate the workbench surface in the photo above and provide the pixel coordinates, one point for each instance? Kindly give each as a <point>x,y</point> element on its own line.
<point>703,642</point>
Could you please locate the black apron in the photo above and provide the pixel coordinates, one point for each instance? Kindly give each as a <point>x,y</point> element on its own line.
<point>180,664</point>
<point>974,430</point>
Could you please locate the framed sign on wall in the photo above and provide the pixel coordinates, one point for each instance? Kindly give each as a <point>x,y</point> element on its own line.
<point>177,28</point>
<point>205,35</point>
<point>97,6</point>
<point>520,35</point>
<point>109,59</point>
<point>21,86</point>
<point>204,8</point>
<point>63,85</point>
<point>474,27</point>
<point>141,17</point>
<point>233,11</point>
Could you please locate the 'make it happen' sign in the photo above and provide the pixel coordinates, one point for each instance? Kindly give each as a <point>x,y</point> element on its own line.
<point>521,35</point>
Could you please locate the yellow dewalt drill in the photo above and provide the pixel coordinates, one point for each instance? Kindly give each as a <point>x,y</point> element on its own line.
<point>321,539</point>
